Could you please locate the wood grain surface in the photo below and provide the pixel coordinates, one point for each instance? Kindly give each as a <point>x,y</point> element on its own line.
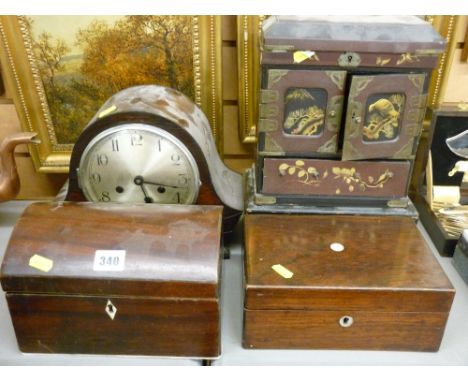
<point>286,329</point>
<point>142,326</point>
<point>171,251</point>
<point>386,278</point>
<point>165,299</point>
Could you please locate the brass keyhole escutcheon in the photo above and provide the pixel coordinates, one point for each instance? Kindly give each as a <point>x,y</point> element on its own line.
<point>111,310</point>
<point>346,321</point>
<point>349,59</point>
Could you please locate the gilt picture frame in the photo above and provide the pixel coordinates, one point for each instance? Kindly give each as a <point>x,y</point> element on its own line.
<point>248,67</point>
<point>24,75</point>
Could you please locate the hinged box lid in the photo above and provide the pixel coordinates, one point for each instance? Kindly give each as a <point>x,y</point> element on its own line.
<point>384,34</point>
<point>314,262</point>
<point>156,250</point>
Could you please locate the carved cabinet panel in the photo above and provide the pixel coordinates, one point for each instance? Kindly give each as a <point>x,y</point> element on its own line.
<point>384,116</point>
<point>300,111</point>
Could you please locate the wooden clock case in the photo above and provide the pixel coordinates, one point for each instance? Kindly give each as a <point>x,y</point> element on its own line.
<point>175,113</point>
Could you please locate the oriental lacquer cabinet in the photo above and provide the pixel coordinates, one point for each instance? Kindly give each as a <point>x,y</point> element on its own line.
<point>349,92</point>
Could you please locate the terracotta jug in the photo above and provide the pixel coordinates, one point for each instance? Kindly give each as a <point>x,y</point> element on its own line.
<point>9,179</point>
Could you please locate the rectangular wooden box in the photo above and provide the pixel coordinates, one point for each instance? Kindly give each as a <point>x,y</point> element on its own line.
<point>384,291</point>
<point>164,300</point>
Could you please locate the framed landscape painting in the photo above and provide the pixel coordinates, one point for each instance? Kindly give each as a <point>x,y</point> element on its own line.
<point>61,69</point>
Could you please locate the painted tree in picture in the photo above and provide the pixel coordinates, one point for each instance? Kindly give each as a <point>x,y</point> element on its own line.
<point>83,60</point>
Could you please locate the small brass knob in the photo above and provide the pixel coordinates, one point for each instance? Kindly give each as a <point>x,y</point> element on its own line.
<point>332,113</point>
<point>357,119</point>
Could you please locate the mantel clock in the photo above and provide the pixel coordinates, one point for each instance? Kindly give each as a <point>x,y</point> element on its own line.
<point>152,144</point>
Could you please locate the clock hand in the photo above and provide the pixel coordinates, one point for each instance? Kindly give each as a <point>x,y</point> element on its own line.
<point>161,184</point>
<point>139,182</point>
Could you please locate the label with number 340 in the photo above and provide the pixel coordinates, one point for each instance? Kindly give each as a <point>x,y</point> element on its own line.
<point>109,260</point>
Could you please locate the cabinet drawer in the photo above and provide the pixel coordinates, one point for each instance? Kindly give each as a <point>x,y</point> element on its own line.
<point>283,176</point>
<point>301,329</point>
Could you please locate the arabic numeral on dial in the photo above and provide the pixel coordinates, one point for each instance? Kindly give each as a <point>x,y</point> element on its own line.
<point>102,160</point>
<point>182,180</point>
<point>136,140</point>
<point>95,178</point>
<point>175,158</point>
<point>105,197</point>
<point>159,145</point>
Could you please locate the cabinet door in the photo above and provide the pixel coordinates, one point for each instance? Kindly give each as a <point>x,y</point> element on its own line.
<point>384,116</point>
<point>300,112</point>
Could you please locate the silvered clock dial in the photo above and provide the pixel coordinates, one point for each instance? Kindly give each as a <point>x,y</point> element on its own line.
<point>138,163</point>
